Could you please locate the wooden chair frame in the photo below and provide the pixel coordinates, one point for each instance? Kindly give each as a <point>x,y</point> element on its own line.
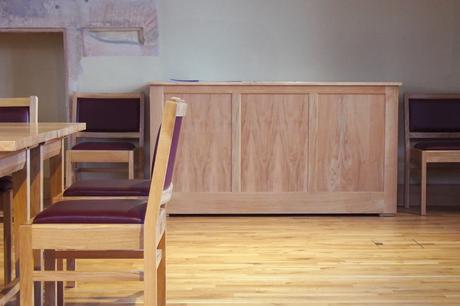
<point>148,237</point>
<point>6,199</point>
<point>16,162</point>
<point>424,157</point>
<point>106,156</point>
<point>31,102</point>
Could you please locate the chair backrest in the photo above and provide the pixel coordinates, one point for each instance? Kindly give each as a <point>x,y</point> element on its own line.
<point>110,115</point>
<point>19,109</point>
<point>432,116</point>
<point>162,158</point>
<point>174,145</point>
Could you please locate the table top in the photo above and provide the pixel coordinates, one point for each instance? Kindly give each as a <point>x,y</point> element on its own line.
<point>18,136</point>
<point>257,83</point>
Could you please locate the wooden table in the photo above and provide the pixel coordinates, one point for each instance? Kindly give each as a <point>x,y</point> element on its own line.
<point>23,147</point>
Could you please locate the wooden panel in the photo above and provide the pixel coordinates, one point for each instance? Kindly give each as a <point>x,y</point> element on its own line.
<point>391,149</point>
<point>277,203</point>
<point>274,142</point>
<point>286,147</point>
<point>204,157</point>
<point>347,147</point>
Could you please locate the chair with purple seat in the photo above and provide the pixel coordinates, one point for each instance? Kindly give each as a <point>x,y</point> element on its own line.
<point>432,135</point>
<point>121,226</point>
<point>125,188</point>
<point>12,110</point>
<point>114,125</point>
<point>104,189</point>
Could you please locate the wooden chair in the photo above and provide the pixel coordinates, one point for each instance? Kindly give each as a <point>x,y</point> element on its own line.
<point>104,189</point>
<point>100,189</point>
<point>432,135</point>
<point>12,110</point>
<point>107,116</point>
<point>117,225</point>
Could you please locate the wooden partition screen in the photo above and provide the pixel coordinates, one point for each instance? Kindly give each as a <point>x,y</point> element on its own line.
<point>284,147</point>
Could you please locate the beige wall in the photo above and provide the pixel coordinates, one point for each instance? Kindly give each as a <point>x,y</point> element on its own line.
<point>416,42</point>
<point>33,64</point>
<point>413,41</point>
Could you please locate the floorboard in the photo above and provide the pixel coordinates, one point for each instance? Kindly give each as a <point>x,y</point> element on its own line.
<point>298,260</point>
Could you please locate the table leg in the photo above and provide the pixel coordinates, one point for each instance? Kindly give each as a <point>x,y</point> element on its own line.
<point>36,206</point>
<point>56,184</point>
<point>7,201</point>
<point>57,174</point>
<point>21,205</point>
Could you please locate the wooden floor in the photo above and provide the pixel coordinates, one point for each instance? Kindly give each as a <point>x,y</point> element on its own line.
<point>299,261</point>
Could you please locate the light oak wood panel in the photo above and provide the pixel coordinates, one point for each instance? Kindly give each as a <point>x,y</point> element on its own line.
<point>391,149</point>
<point>274,142</point>
<point>347,143</point>
<point>276,203</point>
<point>17,136</point>
<point>204,156</point>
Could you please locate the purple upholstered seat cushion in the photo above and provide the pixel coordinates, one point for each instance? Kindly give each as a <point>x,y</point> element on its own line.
<point>110,146</point>
<point>438,145</point>
<point>6,183</point>
<point>109,188</point>
<point>14,114</point>
<point>95,212</point>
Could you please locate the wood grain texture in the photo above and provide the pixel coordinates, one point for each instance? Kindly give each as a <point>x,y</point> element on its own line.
<point>274,142</point>
<point>405,260</point>
<point>204,156</point>
<point>295,84</point>
<point>276,203</point>
<point>56,166</point>
<point>156,102</point>
<point>12,162</point>
<point>236,142</point>
<point>342,141</point>
<point>347,143</point>
<point>17,136</point>
<point>390,172</point>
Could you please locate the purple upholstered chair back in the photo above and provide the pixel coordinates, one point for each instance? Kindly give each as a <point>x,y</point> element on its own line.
<point>18,109</point>
<point>14,114</point>
<point>173,151</point>
<point>109,114</point>
<point>434,114</point>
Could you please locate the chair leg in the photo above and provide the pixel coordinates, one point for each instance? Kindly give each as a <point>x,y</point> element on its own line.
<point>161,274</point>
<point>150,278</point>
<point>423,186</point>
<point>60,285</point>
<point>131,165</point>
<point>71,265</point>
<point>407,179</point>
<point>69,170</point>
<point>26,266</point>
<point>7,201</point>
<point>50,288</point>
<point>38,288</point>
